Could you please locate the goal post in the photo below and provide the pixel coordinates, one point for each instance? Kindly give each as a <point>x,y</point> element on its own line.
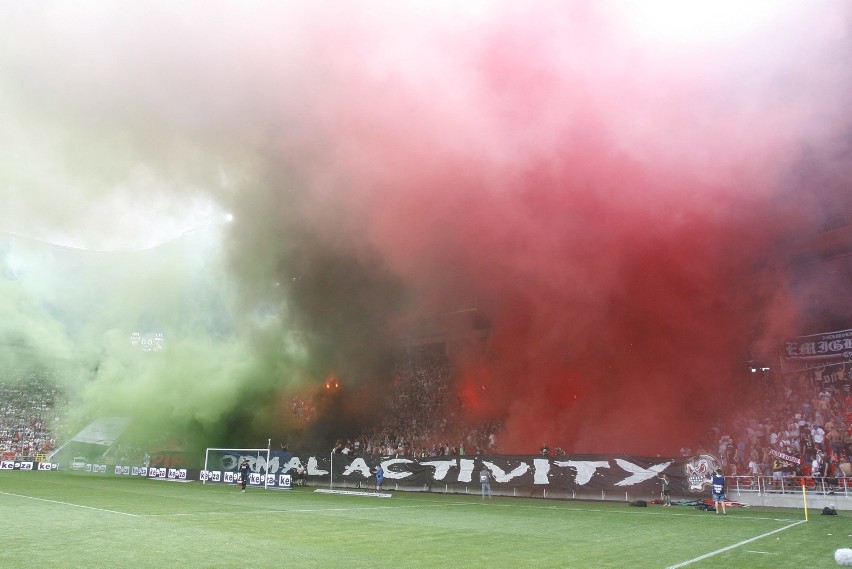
<point>222,465</point>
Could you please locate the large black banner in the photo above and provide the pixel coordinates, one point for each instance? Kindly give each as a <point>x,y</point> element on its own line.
<point>519,474</point>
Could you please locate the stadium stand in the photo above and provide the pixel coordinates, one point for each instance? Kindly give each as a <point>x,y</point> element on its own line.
<point>794,415</point>
<point>422,415</point>
<point>28,413</point>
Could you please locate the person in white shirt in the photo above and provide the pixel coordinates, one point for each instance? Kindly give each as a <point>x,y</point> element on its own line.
<point>818,434</point>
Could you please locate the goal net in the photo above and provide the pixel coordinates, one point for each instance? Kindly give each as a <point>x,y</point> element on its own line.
<point>222,465</point>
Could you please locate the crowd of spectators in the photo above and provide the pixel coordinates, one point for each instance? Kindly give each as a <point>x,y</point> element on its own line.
<point>800,425</point>
<point>302,409</point>
<point>28,412</point>
<point>423,416</point>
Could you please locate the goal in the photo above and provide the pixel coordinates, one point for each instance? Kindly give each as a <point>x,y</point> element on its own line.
<point>221,465</point>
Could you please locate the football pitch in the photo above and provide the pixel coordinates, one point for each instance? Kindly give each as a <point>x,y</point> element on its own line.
<point>58,519</point>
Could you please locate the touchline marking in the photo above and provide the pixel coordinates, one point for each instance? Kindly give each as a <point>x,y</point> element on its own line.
<point>70,504</point>
<point>290,511</point>
<point>635,512</point>
<point>730,547</point>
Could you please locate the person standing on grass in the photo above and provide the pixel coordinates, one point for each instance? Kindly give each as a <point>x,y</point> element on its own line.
<point>245,470</point>
<point>718,490</point>
<point>380,478</point>
<point>666,490</point>
<point>485,479</point>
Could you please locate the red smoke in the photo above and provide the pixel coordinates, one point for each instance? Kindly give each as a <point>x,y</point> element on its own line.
<point>611,207</point>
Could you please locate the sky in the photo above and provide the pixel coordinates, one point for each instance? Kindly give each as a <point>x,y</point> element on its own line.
<point>280,188</point>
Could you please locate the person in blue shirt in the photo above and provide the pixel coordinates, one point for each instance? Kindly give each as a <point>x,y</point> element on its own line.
<point>380,478</point>
<point>485,480</point>
<point>718,491</point>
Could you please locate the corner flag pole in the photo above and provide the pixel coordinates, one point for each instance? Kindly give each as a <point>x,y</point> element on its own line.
<point>805,498</point>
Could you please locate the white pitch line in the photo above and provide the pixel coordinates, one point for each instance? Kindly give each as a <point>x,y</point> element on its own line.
<point>631,512</point>
<point>730,547</point>
<point>291,511</point>
<point>70,504</point>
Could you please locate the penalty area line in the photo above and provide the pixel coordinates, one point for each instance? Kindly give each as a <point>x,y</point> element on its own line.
<point>734,546</point>
<point>70,504</point>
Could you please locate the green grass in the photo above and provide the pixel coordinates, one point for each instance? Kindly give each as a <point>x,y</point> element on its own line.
<point>81,520</point>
